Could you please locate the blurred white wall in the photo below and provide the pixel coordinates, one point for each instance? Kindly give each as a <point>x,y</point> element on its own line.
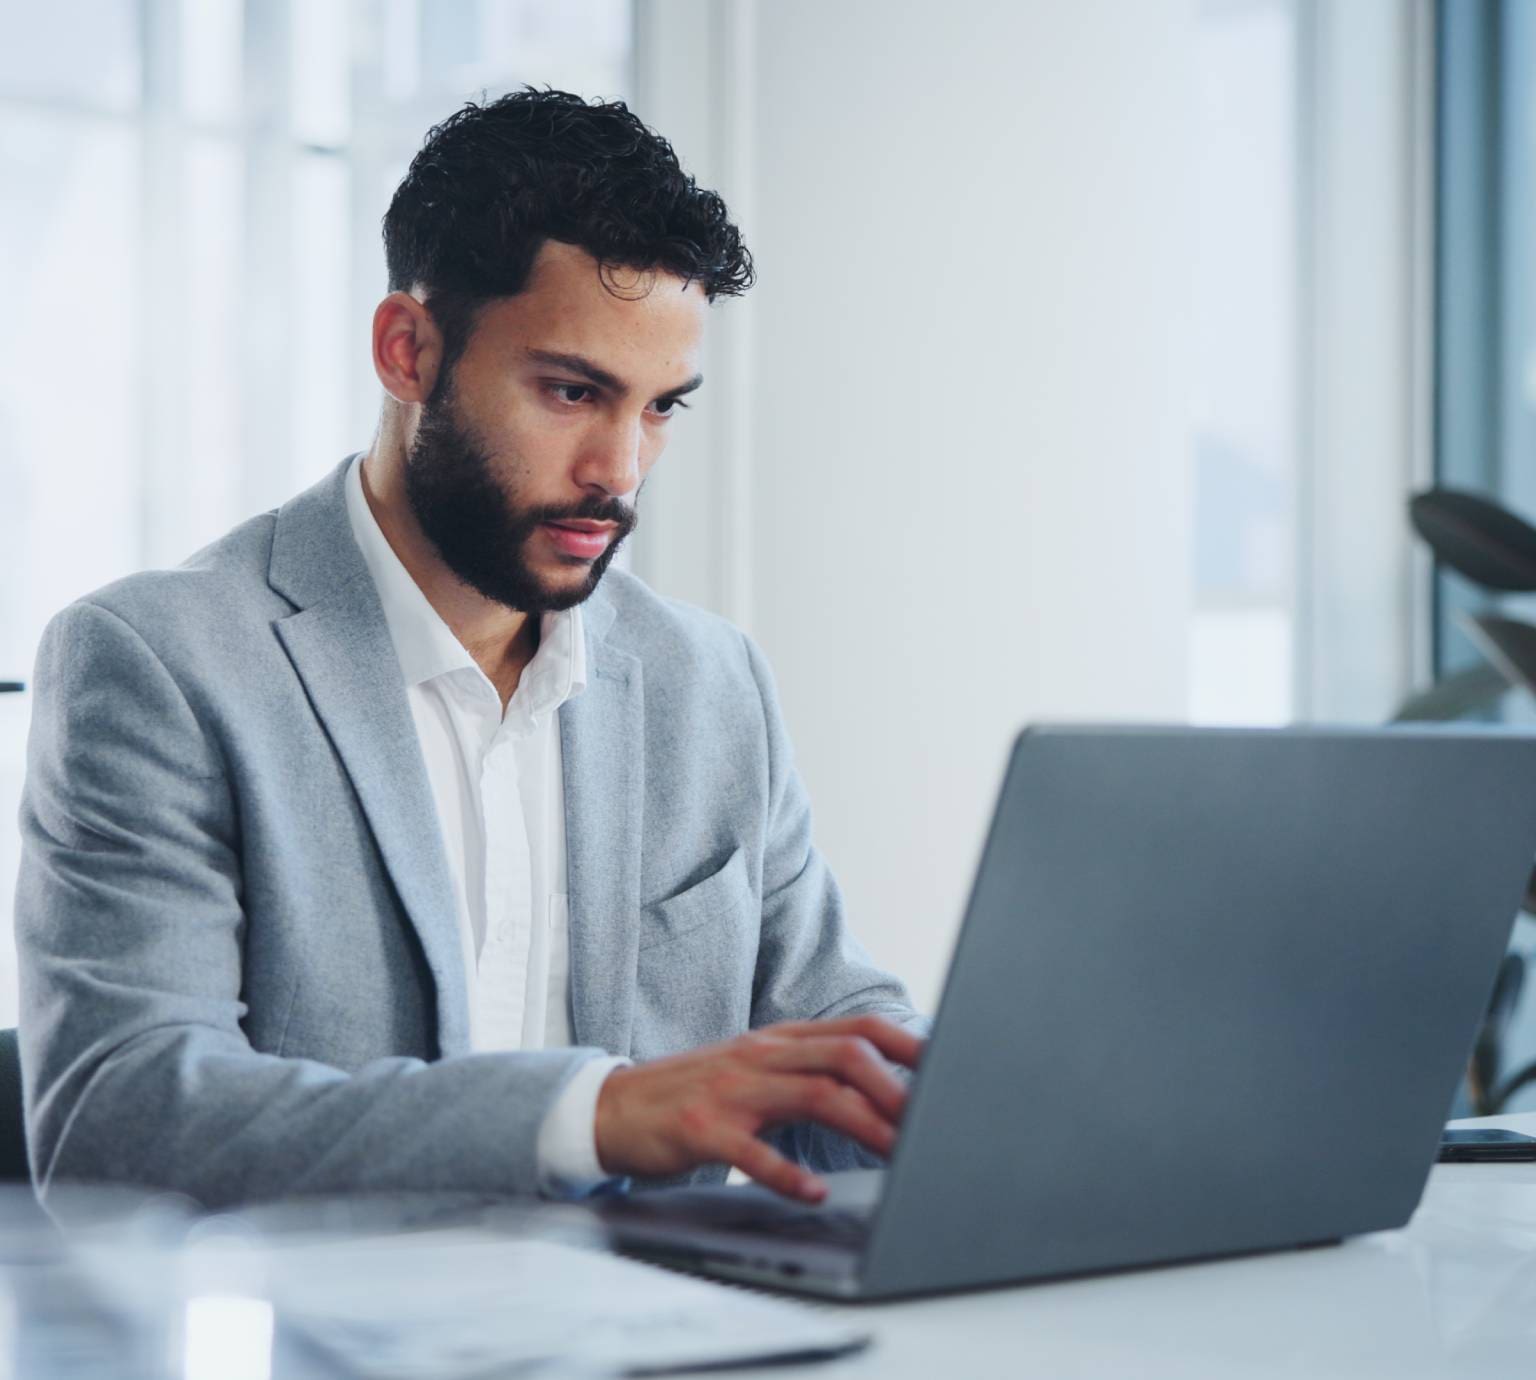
<point>958,500</point>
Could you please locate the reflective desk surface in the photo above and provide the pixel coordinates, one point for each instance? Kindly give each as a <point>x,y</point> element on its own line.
<point>1453,1294</point>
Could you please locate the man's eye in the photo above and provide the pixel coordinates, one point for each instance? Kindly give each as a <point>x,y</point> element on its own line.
<point>663,407</point>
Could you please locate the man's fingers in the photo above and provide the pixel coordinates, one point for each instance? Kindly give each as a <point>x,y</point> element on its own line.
<point>848,1057</point>
<point>822,1099</point>
<point>766,1166</point>
<point>898,1045</point>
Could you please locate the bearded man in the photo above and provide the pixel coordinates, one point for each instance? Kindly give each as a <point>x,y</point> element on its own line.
<point>393,841</point>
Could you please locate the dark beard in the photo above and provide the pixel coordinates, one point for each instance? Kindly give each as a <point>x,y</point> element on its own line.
<point>478,531</point>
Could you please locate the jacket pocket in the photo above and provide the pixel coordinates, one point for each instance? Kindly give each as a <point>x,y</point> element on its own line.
<point>722,894</point>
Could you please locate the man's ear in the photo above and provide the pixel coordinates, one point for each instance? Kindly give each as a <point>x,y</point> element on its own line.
<point>407,347</point>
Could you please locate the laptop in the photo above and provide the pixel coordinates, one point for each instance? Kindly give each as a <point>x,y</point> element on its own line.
<point>1213,994</point>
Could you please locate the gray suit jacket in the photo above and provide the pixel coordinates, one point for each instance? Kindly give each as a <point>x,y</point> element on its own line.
<point>240,974</point>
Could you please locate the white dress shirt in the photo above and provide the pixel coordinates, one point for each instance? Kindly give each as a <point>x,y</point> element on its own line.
<point>500,795</point>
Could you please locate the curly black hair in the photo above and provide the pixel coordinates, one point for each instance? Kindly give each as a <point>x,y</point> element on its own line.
<point>493,181</point>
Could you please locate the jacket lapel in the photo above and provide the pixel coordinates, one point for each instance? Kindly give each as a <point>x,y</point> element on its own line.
<point>602,742</point>
<point>340,646</point>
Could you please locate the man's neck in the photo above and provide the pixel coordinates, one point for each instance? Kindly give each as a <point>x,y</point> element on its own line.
<point>501,640</point>
<point>504,662</point>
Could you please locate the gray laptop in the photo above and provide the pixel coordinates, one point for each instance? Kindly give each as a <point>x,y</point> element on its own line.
<point>1213,994</point>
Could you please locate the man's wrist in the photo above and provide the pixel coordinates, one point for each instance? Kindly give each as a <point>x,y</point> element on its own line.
<point>567,1144</point>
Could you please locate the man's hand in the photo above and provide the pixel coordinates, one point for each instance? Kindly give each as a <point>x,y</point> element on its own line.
<point>709,1105</point>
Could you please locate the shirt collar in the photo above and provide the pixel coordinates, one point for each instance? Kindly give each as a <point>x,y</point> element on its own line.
<point>426,646</point>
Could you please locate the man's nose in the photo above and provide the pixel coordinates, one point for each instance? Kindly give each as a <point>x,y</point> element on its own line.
<point>610,460</point>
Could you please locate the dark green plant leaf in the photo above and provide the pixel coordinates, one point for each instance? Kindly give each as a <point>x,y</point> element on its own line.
<point>1466,692</point>
<point>1509,644</point>
<point>1475,536</point>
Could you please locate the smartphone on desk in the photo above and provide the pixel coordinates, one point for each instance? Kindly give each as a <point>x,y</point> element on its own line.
<point>1464,1146</point>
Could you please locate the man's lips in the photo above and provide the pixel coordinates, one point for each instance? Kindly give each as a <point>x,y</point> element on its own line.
<point>581,537</point>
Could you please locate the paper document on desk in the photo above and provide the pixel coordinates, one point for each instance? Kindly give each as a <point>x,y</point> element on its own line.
<point>467,1303</point>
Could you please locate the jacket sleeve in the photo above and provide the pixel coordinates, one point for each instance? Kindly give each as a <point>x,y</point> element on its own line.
<point>130,931</point>
<point>810,966</point>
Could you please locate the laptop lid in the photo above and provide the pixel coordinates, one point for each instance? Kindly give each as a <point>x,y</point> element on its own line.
<point>1213,994</point>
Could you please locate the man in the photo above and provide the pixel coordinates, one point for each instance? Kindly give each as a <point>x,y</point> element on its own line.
<point>388,843</point>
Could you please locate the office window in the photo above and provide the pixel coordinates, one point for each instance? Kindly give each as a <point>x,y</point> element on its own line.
<point>193,197</point>
<point>1243,628</point>
<point>1485,385</point>
<point>1485,430</point>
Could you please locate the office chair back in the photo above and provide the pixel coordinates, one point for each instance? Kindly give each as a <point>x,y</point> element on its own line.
<point>13,1138</point>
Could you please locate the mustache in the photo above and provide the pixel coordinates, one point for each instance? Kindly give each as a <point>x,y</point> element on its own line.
<point>592,509</point>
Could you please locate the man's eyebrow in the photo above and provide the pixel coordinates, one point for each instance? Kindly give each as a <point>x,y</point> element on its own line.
<point>595,373</point>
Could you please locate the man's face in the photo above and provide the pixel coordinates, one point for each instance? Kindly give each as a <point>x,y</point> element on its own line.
<point>525,464</point>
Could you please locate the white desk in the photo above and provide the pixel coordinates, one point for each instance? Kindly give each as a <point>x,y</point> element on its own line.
<point>1453,1294</point>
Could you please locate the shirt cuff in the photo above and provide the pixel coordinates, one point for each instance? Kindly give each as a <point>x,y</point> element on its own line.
<point>567,1144</point>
